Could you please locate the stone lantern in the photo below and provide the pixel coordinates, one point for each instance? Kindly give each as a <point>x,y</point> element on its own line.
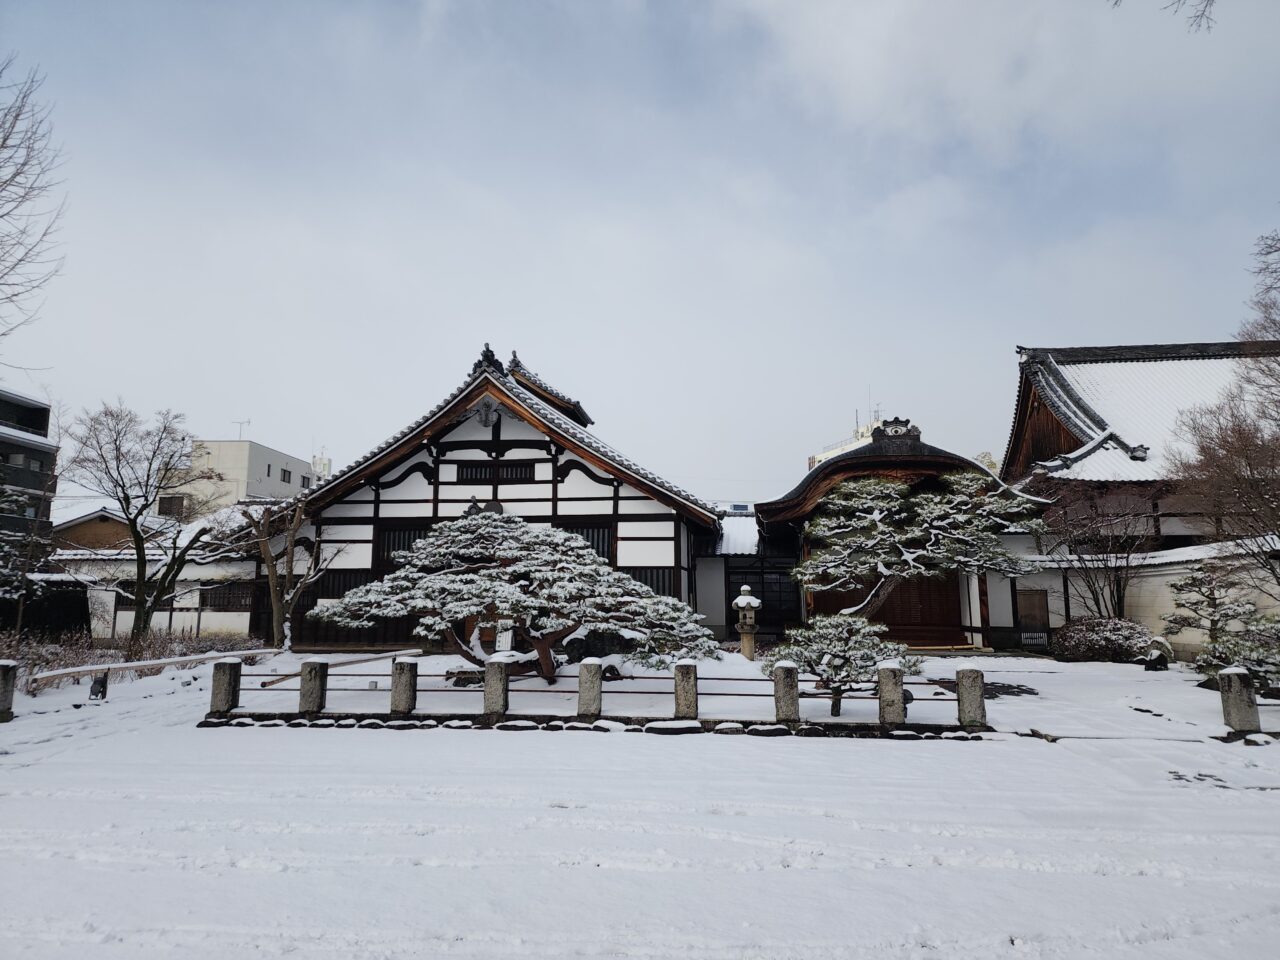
<point>747,605</point>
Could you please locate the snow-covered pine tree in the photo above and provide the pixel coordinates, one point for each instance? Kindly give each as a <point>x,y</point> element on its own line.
<point>842,651</point>
<point>486,568</point>
<point>20,550</point>
<point>1210,598</point>
<point>869,535</point>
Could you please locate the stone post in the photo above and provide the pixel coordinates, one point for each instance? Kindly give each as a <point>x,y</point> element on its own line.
<point>971,706</point>
<point>226,686</point>
<point>496,676</point>
<point>404,687</point>
<point>314,686</point>
<point>786,691</point>
<point>686,690</point>
<point>893,705</point>
<point>1239,705</point>
<point>590,689</point>
<point>8,679</point>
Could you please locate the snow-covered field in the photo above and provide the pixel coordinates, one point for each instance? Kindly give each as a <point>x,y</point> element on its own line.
<point>125,832</point>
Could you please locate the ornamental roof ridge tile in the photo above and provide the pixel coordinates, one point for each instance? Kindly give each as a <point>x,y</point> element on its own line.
<point>1122,353</point>
<point>516,365</point>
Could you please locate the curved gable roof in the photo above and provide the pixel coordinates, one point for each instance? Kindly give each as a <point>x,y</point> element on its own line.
<point>895,448</point>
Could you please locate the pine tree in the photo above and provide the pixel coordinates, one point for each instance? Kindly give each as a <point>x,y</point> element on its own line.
<point>21,551</point>
<point>870,535</point>
<point>486,568</point>
<point>841,651</point>
<point>1210,598</point>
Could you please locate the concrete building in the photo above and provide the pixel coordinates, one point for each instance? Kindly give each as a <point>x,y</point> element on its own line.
<point>27,460</point>
<point>248,470</point>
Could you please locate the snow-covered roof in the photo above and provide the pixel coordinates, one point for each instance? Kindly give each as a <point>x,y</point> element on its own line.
<point>490,368</point>
<point>148,522</point>
<point>1123,403</point>
<point>739,535</point>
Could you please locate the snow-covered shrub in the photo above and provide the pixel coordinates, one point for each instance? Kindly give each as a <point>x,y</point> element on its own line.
<point>484,569</point>
<point>1103,639</point>
<point>842,651</point>
<point>1257,649</point>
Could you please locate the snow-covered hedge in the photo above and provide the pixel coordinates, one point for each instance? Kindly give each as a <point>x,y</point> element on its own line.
<point>1257,649</point>
<point>1100,639</point>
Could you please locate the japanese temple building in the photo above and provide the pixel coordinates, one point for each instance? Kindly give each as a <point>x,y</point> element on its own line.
<point>506,440</point>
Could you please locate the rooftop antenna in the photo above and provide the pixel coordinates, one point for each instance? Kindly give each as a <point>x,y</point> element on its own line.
<point>240,425</point>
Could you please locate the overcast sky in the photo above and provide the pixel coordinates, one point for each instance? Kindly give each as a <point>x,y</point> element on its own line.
<point>724,227</point>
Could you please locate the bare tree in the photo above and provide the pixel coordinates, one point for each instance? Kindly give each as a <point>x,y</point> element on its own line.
<point>28,213</point>
<point>1230,463</point>
<point>1199,12</point>
<point>1097,535</point>
<point>134,463</point>
<point>292,561</point>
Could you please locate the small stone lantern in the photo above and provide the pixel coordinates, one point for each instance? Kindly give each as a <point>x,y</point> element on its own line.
<point>747,605</point>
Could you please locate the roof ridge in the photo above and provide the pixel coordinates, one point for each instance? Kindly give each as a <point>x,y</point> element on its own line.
<point>1122,353</point>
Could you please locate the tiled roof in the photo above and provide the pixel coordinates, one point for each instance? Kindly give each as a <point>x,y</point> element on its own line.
<point>490,367</point>
<point>1125,401</point>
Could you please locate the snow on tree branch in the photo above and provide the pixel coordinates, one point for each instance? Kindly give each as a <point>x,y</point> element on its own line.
<point>487,568</point>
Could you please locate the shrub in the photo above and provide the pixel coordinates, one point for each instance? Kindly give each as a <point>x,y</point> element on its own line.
<point>1257,649</point>
<point>842,651</point>
<point>1117,641</point>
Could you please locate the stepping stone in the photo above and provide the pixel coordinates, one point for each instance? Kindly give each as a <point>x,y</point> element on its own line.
<point>271,723</point>
<point>730,729</point>
<point>768,730</point>
<point>634,728</point>
<point>516,725</point>
<point>673,727</point>
<point>458,725</point>
<point>608,726</point>
<point>346,723</point>
<point>575,725</point>
<point>299,723</point>
<point>324,723</point>
<point>554,725</point>
<point>811,730</point>
<point>429,724</point>
<point>371,724</point>
<point>243,722</point>
<point>402,725</point>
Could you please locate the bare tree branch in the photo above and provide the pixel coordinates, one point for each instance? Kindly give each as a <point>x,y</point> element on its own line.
<point>28,213</point>
<point>1199,12</point>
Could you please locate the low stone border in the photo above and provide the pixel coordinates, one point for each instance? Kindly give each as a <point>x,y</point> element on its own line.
<point>663,726</point>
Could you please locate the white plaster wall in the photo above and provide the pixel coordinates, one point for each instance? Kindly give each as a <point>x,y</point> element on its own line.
<point>585,507</point>
<point>645,553</point>
<point>405,510</point>
<point>348,510</point>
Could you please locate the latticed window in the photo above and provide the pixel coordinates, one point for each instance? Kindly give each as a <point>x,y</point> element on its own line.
<point>658,579</point>
<point>599,535</point>
<point>227,597</point>
<point>495,472</point>
<point>396,538</point>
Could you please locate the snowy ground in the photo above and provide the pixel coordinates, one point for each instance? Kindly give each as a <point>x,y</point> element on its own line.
<point>125,832</point>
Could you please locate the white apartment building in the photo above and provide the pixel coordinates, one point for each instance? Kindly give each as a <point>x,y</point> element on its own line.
<point>246,469</point>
